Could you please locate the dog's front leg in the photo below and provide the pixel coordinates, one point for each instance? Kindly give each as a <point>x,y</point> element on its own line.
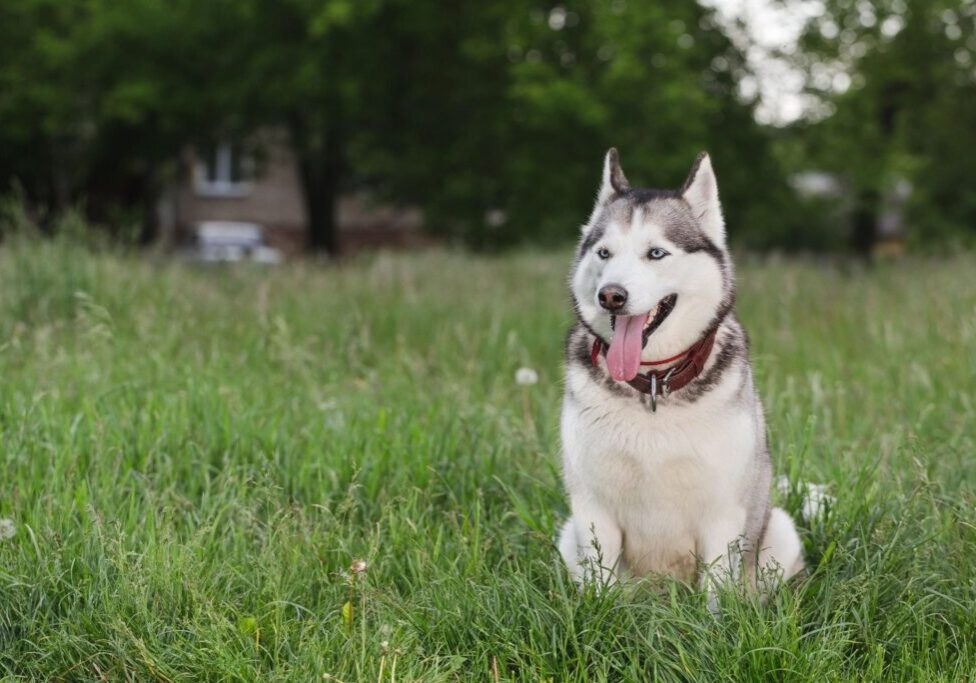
<point>720,549</point>
<point>591,543</point>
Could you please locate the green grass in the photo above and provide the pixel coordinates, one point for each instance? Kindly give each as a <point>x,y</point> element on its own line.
<point>193,458</point>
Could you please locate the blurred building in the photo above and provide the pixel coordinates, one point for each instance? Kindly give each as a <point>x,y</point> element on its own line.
<point>228,186</point>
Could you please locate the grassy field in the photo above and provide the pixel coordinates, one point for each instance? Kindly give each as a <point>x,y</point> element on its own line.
<point>193,459</point>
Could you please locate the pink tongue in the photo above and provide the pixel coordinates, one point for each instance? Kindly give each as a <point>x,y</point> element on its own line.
<point>623,356</point>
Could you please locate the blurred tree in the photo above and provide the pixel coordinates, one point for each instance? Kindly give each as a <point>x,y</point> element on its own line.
<point>437,125</point>
<point>900,77</point>
<point>43,136</point>
<point>636,75</point>
<point>493,117</point>
<point>302,65</point>
<point>101,98</point>
<point>98,99</point>
<point>508,146</point>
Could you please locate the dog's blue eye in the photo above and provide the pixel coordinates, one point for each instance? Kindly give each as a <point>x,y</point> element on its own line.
<point>656,253</point>
<point>603,253</point>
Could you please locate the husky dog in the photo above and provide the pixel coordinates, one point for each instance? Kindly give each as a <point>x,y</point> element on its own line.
<point>667,470</point>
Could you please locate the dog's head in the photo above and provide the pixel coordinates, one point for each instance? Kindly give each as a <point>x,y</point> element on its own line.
<point>652,272</point>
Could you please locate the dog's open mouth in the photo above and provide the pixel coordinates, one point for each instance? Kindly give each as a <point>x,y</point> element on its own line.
<point>630,334</point>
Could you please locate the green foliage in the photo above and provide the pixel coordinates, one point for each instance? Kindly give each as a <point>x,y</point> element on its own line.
<point>493,116</point>
<point>101,98</point>
<point>194,458</point>
<point>909,111</point>
<point>524,112</point>
<point>475,108</point>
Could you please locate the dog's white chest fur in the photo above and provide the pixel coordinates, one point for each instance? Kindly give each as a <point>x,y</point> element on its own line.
<point>662,476</point>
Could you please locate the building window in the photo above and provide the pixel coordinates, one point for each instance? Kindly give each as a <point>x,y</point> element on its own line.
<point>223,170</point>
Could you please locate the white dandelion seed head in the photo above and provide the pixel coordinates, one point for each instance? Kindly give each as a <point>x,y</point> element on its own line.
<point>526,376</point>
<point>7,529</point>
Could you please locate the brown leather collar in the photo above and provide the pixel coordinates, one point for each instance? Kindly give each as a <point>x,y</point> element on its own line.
<point>662,382</point>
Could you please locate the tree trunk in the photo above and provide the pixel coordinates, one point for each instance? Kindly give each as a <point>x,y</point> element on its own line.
<point>149,197</point>
<point>865,223</point>
<point>319,171</point>
<point>317,142</point>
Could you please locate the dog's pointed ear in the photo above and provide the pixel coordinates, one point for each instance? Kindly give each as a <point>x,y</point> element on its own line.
<point>614,180</point>
<point>701,192</point>
<point>614,183</point>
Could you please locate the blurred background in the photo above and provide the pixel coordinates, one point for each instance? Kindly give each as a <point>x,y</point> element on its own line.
<point>234,128</point>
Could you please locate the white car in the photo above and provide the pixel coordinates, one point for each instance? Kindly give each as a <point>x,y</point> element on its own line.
<point>231,241</point>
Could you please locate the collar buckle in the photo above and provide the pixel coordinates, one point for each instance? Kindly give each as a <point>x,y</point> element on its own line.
<point>666,382</point>
<point>665,387</point>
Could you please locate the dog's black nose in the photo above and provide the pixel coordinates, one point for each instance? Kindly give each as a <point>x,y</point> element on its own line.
<point>612,297</point>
